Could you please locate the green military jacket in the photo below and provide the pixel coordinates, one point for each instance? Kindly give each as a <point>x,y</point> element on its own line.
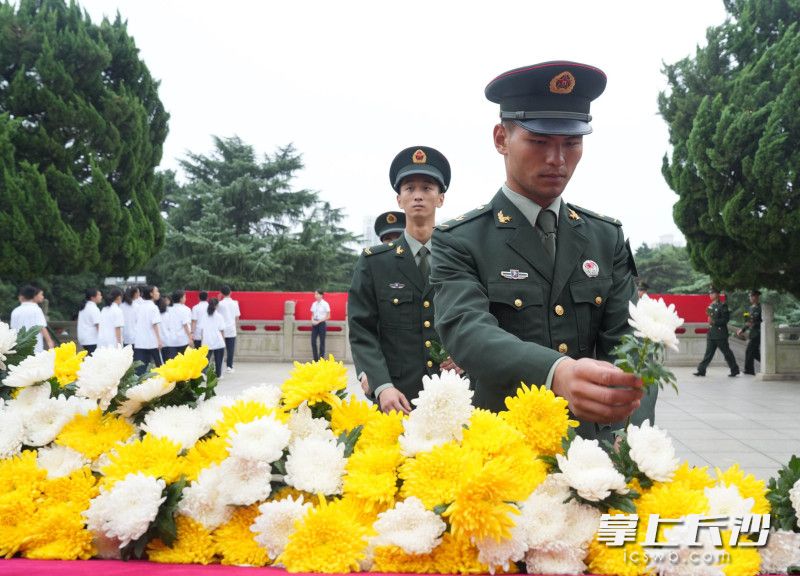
<point>718,316</point>
<point>506,318</point>
<point>753,325</point>
<point>390,318</point>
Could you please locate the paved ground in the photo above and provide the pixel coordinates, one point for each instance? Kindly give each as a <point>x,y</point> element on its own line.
<point>714,420</point>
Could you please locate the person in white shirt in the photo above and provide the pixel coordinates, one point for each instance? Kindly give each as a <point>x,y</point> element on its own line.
<point>89,320</point>
<point>229,308</point>
<point>211,326</point>
<point>179,322</point>
<point>112,321</point>
<point>198,310</point>
<point>147,338</point>
<point>130,300</point>
<point>320,313</point>
<point>163,304</point>
<point>28,315</point>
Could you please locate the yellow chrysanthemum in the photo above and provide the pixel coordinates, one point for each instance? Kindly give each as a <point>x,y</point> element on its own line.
<point>287,491</point>
<point>235,542</point>
<point>627,560</point>
<point>749,487</point>
<point>371,475</point>
<point>95,433</point>
<point>668,500</point>
<point>314,382</point>
<point>152,455</point>
<point>350,413</point>
<point>382,431</point>
<point>329,538</point>
<point>194,545</point>
<point>434,476</point>
<point>20,479</point>
<point>541,416</point>
<point>245,411</point>
<point>67,363</point>
<point>57,532</point>
<point>489,434</point>
<point>457,555</point>
<point>186,366</point>
<point>741,561</point>
<point>203,454</point>
<point>393,560</point>
<point>694,477</point>
<point>77,489</point>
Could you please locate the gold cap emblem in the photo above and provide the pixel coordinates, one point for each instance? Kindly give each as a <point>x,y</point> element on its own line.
<point>391,219</point>
<point>419,157</point>
<point>562,83</point>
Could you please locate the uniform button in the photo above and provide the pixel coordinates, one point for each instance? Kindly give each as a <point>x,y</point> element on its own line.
<point>559,310</point>
<point>427,343</point>
<point>518,303</point>
<point>391,244</point>
<point>563,348</point>
<point>430,364</point>
<point>426,304</point>
<point>427,323</point>
<point>395,301</point>
<point>598,300</point>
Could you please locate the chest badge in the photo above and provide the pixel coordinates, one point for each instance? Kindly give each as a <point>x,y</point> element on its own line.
<point>397,285</point>
<point>591,269</point>
<point>514,274</point>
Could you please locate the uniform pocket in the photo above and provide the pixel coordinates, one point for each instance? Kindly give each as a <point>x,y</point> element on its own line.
<point>589,297</point>
<point>518,307</point>
<point>397,308</point>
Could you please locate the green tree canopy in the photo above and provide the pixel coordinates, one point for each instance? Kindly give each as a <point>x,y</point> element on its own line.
<point>667,270</point>
<point>735,139</point>
<point>81,133</point>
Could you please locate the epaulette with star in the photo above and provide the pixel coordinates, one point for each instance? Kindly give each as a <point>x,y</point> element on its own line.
<point>576,212</point>
<point>466,217</point>
<point>379,249</point>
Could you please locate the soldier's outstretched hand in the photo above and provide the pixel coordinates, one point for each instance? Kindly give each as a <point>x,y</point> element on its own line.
<point>597,391</point>
<point>449,364</point>
<point>392,399</point>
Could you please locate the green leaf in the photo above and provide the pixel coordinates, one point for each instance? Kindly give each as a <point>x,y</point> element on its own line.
<point>440,509</point>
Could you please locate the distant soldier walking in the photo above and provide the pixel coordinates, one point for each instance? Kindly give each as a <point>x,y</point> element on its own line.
<point>718,316</point>
<point>753,329</point>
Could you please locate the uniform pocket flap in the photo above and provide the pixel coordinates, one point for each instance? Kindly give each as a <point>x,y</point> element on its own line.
<point>515,293</point>
<point>397,297</point>
<point>592,291</point>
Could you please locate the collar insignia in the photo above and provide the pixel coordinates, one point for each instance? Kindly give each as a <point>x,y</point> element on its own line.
<point>503,218</point>
<point>400,250</point>
<point>573,215</point>
<point>513,274</point>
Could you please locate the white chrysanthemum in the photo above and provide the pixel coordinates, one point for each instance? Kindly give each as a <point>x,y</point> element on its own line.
<point>303,425</point>
<point>244,482</point>
<point>203,500</point>
<point>589,470</point>
<point>728,501</point>
<point>261,440</point>
<point>653,451</point>
<point>501,553</point>
<point>316,465</point>
<point>181,424</point>
<point>100,373</point>
<point>782,550</point>
<point>267,394</point>
<point>32,370</point>
<point>127,509</point>
<point>211,408</point>
<point>139,395</point>
<point>794,498</point>
<point>443,408</point>
<point>561,561</point>
<point>410,526</point>
<point>60,460</point>
<point>654,320</point>
<point>44,420</point>
<point>681,559</point>
<point>8,340</point>
<point>30,396</point>
<point>12,432</point>
<point>275,523</point>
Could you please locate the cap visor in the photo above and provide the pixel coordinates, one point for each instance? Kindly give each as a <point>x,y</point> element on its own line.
<point>560,126</point>
<point>424,169</point>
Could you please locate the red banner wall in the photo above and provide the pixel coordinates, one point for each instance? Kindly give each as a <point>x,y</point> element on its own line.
<point>269,305</point>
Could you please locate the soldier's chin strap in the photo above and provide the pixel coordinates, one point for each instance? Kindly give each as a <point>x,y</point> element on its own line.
<point>542,114</point>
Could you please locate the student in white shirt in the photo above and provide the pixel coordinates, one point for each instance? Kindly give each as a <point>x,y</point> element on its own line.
<point>147,338</point>
<point>320,313</point>
<point>179,321</point>
<point>28,314</point>
<point>163,304</point>
<point>89,320</point>
<point>112,321</point>
<point>130,300</point>
<point>198,310</point>
<point>211,326</point>
<point>229,308</point>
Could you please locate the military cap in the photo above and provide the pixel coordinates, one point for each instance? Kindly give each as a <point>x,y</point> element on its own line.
<point>420,160</point>
<point>755,292</point>
<point>390,222</point>
<point>549,97</point>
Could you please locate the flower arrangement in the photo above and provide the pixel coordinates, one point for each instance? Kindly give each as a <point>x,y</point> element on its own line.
<point>303,477</point>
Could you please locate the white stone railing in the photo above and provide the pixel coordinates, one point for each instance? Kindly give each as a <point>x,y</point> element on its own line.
<point>692,338</point>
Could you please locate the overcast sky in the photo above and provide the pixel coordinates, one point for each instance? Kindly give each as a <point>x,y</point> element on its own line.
<point>351,83</point>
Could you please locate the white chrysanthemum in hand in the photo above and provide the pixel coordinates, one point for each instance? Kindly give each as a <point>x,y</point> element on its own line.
<point>32,370</point>
<point>316,465</point>
<point>794,498</point>
<point>267,394</point>
<point>100,373</point>
<point>443,408</point>
<point>203,500</point>
<point>782,550</point>
<point>260,440</point>
<point>60,460</point>
<point>410,526</point>
<point>8,340</point>
<point>589,470</point>
<point>275,523</point>
<point>244,482</point>
<point>654,320</point>
<point>652,451</point>
<point>181,424</point>
<point>567,560</point>
<point>12,432</point>
<point>127,509</point>
<point>303,425</point>
<point>139,395</point>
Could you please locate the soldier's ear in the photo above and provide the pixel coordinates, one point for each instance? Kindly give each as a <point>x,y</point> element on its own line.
<point>501,136</point>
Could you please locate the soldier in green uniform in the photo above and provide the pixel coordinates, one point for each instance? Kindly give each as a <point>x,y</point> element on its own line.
<point>390,302</point>
<point>753,328</point>
<point>717,337</point>
<point>389,226</point>
<point>532,289</point>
